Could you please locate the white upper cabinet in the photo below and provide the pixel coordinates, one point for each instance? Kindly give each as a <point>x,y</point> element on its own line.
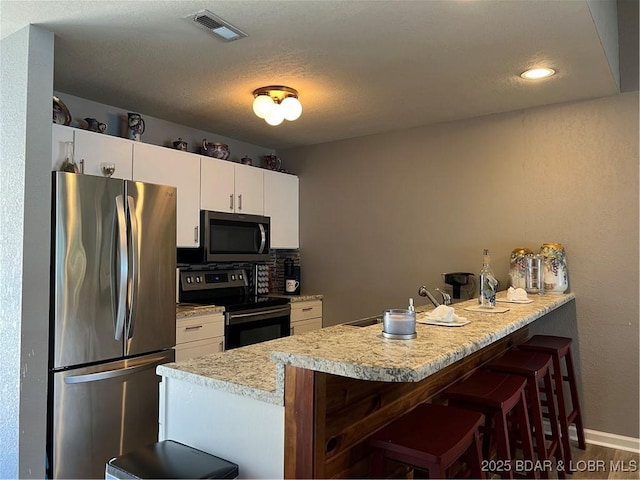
<point>231,187</point>
<point>281,204</point>
<point>166,166</point>
<point>93,149</point>
<point>249,189</point>
<point>217,190</point>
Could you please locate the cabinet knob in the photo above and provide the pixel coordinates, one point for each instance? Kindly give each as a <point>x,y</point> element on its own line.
<point>240,202</point>
<point>231,202</point>
<point>195,234</point>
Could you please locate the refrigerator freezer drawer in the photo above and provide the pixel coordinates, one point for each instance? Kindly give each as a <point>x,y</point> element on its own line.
<point>102,411</point>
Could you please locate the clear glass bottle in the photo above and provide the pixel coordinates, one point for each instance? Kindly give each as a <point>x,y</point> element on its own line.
<point>488,283</point>
<point>69,165</point>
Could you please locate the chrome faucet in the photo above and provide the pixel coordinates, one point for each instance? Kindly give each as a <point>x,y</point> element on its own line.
<point>446,298</point>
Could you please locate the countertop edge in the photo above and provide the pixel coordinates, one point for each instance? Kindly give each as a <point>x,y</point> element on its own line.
<point>275,397</point>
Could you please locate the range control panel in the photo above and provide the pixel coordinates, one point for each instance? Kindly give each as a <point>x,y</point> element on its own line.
<point>212,279</point>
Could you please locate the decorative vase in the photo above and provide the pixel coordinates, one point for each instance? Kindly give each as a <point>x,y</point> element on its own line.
<point>517,267</point>
<point>556,279</point>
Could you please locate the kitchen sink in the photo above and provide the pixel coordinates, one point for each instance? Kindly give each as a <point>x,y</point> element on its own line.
<point>364,322</point>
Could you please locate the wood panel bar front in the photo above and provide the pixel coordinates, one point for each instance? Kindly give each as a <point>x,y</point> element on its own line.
<point>328,417</point>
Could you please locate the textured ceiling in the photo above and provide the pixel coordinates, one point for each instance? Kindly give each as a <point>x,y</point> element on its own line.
<point>361,67</point>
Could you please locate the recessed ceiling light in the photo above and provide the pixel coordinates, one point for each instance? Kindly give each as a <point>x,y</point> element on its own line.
<point>537,73</point>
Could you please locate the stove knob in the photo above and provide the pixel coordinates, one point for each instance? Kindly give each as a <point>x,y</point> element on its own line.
<point>197,279</point>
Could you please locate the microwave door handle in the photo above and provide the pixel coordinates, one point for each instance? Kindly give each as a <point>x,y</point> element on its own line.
<point>263,238</point>
<point>134,272</point>
<point>122,266</point>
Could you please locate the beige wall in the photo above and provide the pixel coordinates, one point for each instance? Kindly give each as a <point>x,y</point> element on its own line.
<point>383,214</point>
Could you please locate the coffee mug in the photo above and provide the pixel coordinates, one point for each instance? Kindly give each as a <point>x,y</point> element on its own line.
<point>291,285</point>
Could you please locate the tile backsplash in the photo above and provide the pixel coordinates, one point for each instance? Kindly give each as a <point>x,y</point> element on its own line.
<point>276,267</point>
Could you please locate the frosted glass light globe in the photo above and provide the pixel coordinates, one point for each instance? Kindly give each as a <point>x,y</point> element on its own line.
<point>262,105</point>
<point>292,108</point>
<point>276,116</point>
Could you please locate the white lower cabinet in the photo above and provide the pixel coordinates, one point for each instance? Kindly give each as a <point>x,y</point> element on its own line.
<point>199,335</point>
<point>166,166</point>
<point>306,316</point>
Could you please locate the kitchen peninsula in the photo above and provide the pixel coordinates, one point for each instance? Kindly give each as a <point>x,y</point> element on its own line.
<point>301,406</point>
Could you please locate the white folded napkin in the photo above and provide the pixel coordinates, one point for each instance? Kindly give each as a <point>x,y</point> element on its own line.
<point>443,313</point>
<point>517,294</point>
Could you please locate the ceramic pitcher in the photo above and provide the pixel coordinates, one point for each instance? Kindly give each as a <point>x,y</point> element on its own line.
<point>135,126</point>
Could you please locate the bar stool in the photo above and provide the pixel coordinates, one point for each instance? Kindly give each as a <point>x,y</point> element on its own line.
<point>497,395</point>
<point>430,437</point>
<point>536,367</point>
<point>560,348</point>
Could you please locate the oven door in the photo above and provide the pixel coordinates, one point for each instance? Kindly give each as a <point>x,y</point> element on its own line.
<point>247,327</point>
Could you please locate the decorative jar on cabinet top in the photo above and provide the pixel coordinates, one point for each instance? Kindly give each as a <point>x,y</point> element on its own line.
<point>556,279</point>
<point>517,267</point>
<point>216,150</point>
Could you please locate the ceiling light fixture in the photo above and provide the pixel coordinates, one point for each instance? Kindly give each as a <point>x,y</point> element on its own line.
<point>276,103</point>
<point>537,73</point>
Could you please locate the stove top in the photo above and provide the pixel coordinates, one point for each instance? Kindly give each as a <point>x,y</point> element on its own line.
<point>230,286</point>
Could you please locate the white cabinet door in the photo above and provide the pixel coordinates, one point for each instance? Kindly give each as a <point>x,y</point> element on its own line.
<point>231,187</point>
<point>249,189</point>
<point>217,185</point>
<point>281,204</point>
<point>165,166</point>
<point>97,148</point>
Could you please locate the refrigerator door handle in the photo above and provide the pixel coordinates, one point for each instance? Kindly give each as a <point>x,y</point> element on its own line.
<point>122,266</point>
<point>134,274</point>
<point>119,372</point>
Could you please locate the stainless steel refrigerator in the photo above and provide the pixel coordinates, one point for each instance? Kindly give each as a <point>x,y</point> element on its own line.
<point>112,318</point>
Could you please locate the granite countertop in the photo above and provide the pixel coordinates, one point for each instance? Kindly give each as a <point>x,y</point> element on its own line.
<point>257,371</point>
<point>303,297</point>
<point>184,310</point>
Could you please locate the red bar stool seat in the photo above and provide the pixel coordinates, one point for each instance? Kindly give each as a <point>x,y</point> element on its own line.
<point>430,437</point>
<point>498,395</point>
<point>536,367</point>
<point>560,348</point>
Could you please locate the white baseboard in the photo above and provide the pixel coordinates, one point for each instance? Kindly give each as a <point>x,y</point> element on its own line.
<point>604,439</point>
<point>610,440</point>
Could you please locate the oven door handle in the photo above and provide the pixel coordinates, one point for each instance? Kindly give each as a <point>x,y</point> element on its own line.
<point>237,318</point>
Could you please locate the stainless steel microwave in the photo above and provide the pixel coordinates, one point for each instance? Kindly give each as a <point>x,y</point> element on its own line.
<point>232,237</point>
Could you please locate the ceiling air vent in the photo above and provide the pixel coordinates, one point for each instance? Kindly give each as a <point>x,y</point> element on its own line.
<point>218,26</point>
